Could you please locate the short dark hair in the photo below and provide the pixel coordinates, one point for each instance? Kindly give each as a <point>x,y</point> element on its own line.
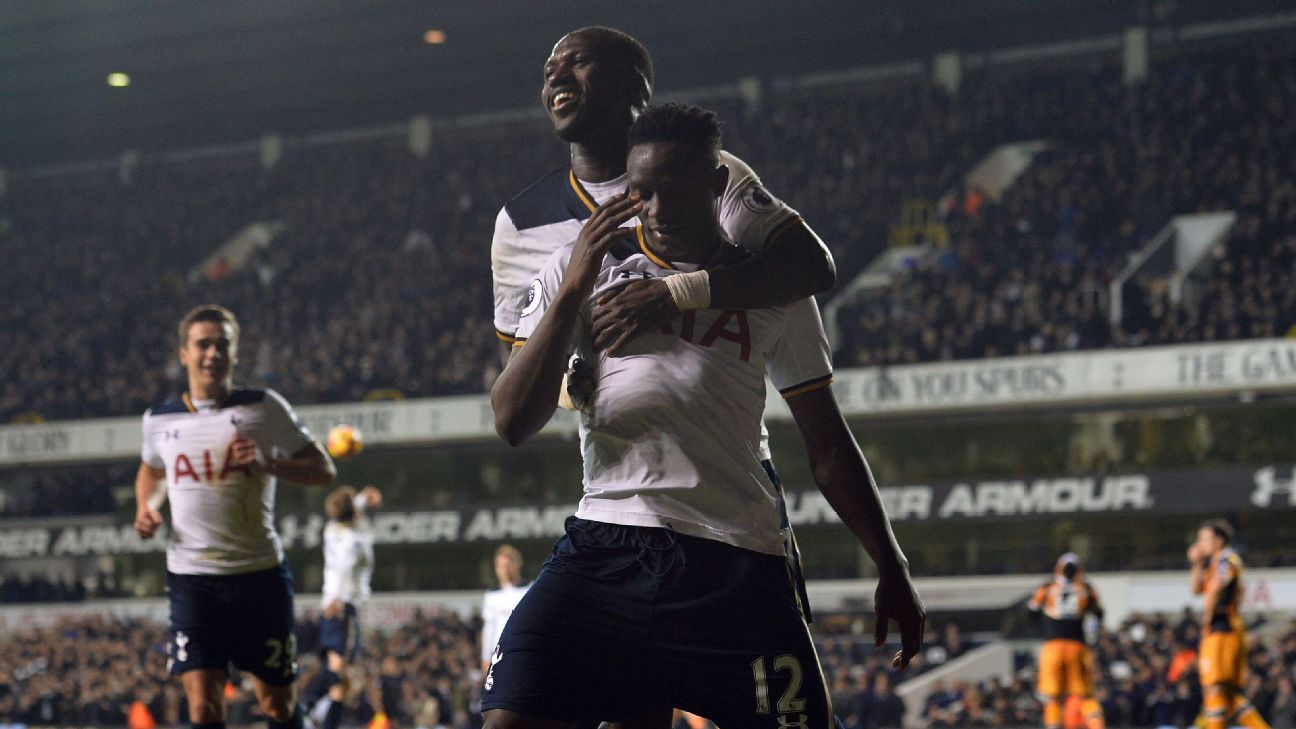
<point>623,46</point>
<point>1221,528</point>
<point>213,313</point>
<point>678,122</point>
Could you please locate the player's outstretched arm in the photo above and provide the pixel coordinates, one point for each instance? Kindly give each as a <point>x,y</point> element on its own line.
<point>794,265</point>
<point>526,393</point>
<point>845,480</point>
<point>149,492</point>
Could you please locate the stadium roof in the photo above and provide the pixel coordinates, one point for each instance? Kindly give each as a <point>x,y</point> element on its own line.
<point>209,73</point>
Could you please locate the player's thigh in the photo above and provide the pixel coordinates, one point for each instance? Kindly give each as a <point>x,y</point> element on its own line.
<point>199,623</point>
<point>1221,660</point>
<point>265,641</point>
<point>341,634</point>
<point>275,699</point>
<point>1079,671</point>
<point>733,645</point>
<point>204,690</point>
<point>1052,669</point>
<point>575,649</point>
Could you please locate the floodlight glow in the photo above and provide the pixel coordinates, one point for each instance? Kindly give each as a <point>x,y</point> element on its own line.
<point>434,37</point>
<point>118,79</point>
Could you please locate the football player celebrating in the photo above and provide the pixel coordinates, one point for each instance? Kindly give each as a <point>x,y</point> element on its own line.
<point>1222,655</point>
<point>670,587</point>
<point>219,450</point>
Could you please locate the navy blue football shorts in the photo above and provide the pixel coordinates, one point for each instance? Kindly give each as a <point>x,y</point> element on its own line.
<point>341,635</point>
<point>246,620</point>
<point>623,620</point>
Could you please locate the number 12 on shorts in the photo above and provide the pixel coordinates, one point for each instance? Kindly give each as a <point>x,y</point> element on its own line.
<point>789,702</point>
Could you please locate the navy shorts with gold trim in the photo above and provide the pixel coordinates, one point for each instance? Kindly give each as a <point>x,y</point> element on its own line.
<point>246,620</point>
<point>622,620</point>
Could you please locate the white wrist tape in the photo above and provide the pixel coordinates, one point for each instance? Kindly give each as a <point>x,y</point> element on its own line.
<point>690,290</point>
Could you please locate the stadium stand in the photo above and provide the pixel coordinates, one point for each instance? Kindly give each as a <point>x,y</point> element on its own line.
<point>380,279</point>
<point>91,671</point>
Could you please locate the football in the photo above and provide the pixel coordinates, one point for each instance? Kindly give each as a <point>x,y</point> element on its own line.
<point>344,442</point>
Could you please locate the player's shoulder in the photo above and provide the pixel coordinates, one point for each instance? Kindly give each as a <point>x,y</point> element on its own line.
<point>169,406</point>
<point>550,199</point>
<point>244,396</point>
<point>739,171</point>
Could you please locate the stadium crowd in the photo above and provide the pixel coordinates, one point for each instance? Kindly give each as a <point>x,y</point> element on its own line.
<point>380,278</point>
<point>1207,131</point>
<point>94,670</point>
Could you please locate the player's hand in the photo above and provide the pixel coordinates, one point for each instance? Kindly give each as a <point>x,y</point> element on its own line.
<point>244,452</point>
<point>896,599</point>
<point>599,233</point>
<point>333,609</point>
<point>630,310</point>
<point>372,496</point>
<point>147,522</point>
<point>1194,553</point>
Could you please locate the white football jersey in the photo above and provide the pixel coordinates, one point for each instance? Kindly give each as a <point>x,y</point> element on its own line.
<point>348,563</point>
<point>222,516</point>
<point>550,213</point>
<point>497,606</point>
<point>671,436</point>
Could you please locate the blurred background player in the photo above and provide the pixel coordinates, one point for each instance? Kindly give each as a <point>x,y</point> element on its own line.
<point>221,451</point>
<point>1221,661</point>
<point>1065,662</point>
<point>348,568</point>
<point>499,603</point>
<point>671,576</point>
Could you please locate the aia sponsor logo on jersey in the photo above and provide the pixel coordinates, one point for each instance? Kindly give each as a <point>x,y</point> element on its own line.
<point>729,325</point>
<point>203,469</point>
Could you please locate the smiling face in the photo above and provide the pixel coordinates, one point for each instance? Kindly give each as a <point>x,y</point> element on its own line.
<point>209,353</point>
<point>678,185</point>
<point>589,90</point>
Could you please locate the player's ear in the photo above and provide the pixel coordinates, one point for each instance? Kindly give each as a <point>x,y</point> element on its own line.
<point>719,180</point>
<point>641,92</point>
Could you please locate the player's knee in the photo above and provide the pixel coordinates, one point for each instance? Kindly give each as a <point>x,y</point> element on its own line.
<point>340,687</point>
<point>204,710</point>
<point>278,706</point>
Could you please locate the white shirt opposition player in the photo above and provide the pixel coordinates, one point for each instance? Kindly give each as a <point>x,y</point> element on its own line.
<point>700,445</point>
<point>222,516</point>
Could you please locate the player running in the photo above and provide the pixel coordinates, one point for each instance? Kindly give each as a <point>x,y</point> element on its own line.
<point>1221,661</point>
<point>220,451</point>
<point>1065,662</point>
<point>670,587</point>
<point>348,569</point>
